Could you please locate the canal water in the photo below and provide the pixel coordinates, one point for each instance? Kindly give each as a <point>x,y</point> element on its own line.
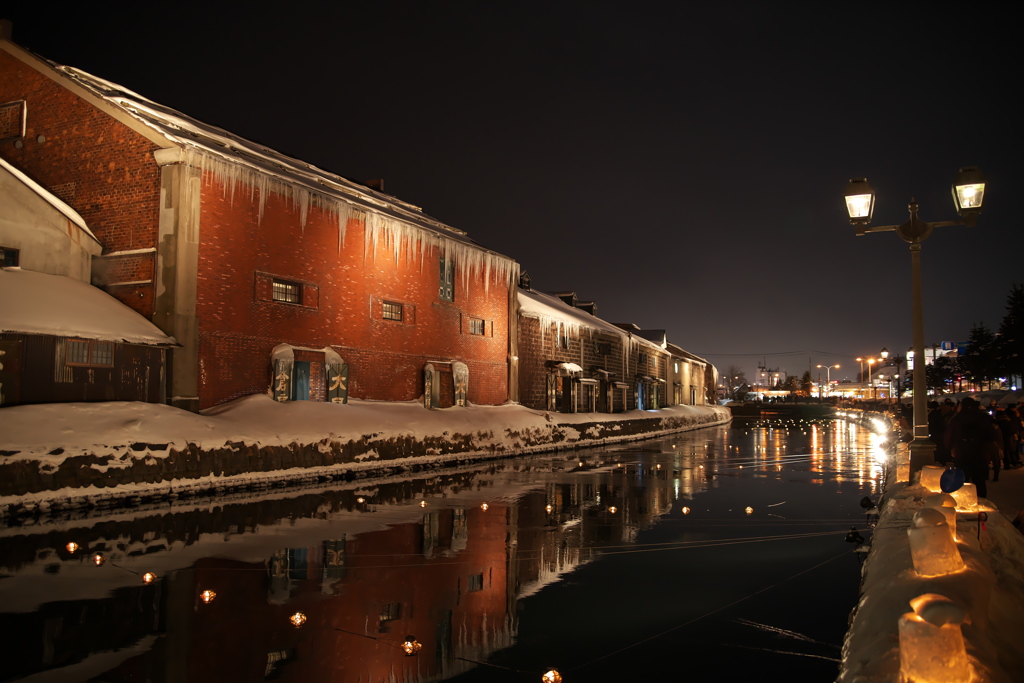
<point>719,554</point>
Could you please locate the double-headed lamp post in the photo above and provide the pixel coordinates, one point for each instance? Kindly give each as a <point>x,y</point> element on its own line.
<point>828,375</point>
<point>968,194</point>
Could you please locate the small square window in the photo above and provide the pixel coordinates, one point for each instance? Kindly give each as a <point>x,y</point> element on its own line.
<point>10,257</point>
<point>287,292</point>
<point>392,311</point>
<point>391,611</point>
<point>476,326</point>
<point>476,582</point>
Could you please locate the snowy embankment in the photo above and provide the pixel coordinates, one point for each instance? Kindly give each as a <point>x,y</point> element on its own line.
<point>76,454</point>
<point>990,590</point>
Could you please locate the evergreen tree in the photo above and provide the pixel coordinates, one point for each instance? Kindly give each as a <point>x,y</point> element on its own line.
<point>1010,342</point>
<point>979,361</point>
<point>939,374</point>
<point>806,383</point>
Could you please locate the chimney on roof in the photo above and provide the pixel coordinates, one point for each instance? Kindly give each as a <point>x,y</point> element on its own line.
<point>376,184</point>
<point>6,29</point>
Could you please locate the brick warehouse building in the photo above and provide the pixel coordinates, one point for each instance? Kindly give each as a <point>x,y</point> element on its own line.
<point>269,271</point>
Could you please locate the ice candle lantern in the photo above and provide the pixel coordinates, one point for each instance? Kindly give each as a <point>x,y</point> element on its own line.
<point>966,496</point>
<point>946,504</point>
<point>931,643</point>
<point>931,476</point>
<point>932,546</point>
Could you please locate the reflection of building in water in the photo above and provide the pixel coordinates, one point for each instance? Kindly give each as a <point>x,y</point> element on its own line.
<point>443,580</point>
<point>450,576</point>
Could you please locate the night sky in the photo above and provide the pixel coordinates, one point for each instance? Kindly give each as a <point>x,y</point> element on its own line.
<point>683,167</point>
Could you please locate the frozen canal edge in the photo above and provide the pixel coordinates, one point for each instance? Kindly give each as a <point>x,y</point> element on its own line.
<point>133,470</point>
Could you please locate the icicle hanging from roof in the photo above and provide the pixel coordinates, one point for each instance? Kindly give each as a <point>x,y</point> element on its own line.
<point>405,240</point>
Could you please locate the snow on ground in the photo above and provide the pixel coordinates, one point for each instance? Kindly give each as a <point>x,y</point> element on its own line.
<point>35,431</point>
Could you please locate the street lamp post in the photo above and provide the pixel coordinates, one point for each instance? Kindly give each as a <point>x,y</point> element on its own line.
<point>968,194</point>
<point>828,376</point>
<point>870,362</point>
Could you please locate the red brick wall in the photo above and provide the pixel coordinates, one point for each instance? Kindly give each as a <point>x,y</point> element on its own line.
<point>342,294</point>
<point>101,168</point>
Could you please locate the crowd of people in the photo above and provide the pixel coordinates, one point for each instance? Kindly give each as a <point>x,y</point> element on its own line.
<point>980,441</point>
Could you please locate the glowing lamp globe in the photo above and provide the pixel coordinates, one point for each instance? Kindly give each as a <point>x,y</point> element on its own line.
<point>551,676</point>
<point>98,559</point>
<point>148,578</point>
<point>860,201</point>
<point>71,547</point>
<point>969,191</point>
<point>411,646</point>
<point>297,619</point>
<point>208,596</point>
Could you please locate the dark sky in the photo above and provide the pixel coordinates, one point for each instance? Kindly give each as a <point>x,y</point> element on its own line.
<point>683,167</point>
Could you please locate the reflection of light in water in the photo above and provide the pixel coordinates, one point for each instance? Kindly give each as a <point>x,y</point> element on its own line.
<point>411,646</point>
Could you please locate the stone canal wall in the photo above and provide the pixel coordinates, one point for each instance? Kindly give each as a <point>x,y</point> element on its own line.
<point>136,471</point>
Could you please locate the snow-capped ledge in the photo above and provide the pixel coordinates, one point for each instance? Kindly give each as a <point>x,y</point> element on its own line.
<point>990,589</point>
<point>99,454</point>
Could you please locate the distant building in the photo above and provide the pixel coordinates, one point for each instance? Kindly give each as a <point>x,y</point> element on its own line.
<point>572,361</point>
<point>272,274</point>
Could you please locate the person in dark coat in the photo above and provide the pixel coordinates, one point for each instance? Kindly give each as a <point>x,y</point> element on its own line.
<point>971,437</point>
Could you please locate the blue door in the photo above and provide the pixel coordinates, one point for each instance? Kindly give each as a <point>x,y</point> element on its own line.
<point>300,380</point>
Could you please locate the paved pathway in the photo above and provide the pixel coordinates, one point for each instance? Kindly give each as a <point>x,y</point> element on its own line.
<point>1008,492</point>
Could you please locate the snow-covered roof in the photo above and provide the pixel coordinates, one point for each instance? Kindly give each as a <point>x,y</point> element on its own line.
<point>534,304</point>
<point>38,303</point>
<point>49,198</point>
<point>219,145</point>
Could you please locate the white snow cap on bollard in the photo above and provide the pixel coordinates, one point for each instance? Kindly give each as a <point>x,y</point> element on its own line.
<point>931,476</point>
<point>931,642</point>
<point>932,547</point>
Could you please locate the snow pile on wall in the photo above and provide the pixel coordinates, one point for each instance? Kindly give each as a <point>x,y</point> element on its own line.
<point>59,451</point>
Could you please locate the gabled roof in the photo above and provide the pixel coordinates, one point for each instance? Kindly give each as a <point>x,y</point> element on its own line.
<point>207,146</point>
<point>534,304</point>
<point>683,353</point>
<point>48,197</point>
<point>38,303</point>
